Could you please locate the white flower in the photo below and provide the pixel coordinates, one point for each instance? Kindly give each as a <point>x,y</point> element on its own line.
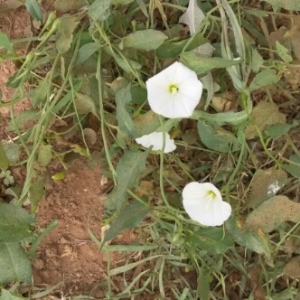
<point>174,92</point>
<point>203,203</point>
<point>155,139</point>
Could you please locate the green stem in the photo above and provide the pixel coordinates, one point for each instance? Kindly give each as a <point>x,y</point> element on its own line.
<point>273,158</point>
<point>161,169</point>
<point>239,162</point>
<point>102,119</point>
<point>42,126</point>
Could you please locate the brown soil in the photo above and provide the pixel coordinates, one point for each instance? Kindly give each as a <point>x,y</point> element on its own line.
<point>67,254</point>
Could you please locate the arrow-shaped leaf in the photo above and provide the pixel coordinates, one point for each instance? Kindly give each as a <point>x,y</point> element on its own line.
<point>130,166</point>
<point>14,263</point>
<point>192,17</point>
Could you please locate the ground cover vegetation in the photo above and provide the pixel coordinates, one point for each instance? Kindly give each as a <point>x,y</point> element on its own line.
<point>191,108</point>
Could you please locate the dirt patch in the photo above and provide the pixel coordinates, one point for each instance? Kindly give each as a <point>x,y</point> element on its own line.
<point>67,254</point>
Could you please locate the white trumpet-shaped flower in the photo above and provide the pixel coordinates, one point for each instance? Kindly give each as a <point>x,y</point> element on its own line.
<point>203,203</point>
<point>174,92</point>
<point>155,140</point>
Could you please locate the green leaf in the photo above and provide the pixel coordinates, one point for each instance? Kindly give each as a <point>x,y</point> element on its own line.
<point>168,125</point>
<point>138,94</point>
<point>39,94</point>
<point>14,222</point>
<point>257,12</point>
<point>273,212</point>
<point>217,138</point>
<point>263,115</point>
<point>36,193</point>
<point>239,40</point>
<point>210,86</point>
<point>278,130</point>
<point>256,61</point>
<point>204,280</point>
<point>64,101</point>
<point>44,155</point>
<point>88,68</point>
<point>202,65</point>
<point>131,216</point>
<point>127,64</point>
<point>65,33</point>
<point>85,52</point>
<point>146,123</point>
<point>124,63</point>
<point>7,295</point>
<point>4,162</point>
<point>110,204</point>
<point>210,239</point>
<point>286,4</point>
<point>6,43</point>
<point>99,10</point>
<point>34,9</point>
<point>283,53</point>
<point>172,49</point>
<point>264,78</point>
<point>253,240</point>
<point>130,166</point>
<point>7,178</point>
<point>84,104</point>
<point>147,40</point>
<point>233,118</point>
<point>293,169</point>
<point>15,192</point>
<point>143,7</point>
<point>123,98</point>
<point>16,264</point>
<point>264,185</point>
<point>15,80</point>
<point>23,118</point>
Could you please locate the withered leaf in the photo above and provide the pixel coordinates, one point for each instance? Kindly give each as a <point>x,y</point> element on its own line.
<point>272,213</point>
<point>264,114</point>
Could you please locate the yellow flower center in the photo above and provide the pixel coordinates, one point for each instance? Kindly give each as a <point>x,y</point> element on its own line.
<point>173,89</point>
<point>211,195</point>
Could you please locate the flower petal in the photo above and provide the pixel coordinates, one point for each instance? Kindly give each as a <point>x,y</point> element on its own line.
<point>203,203</point>
<point>155,139</point>
<point>183,74</point>
<point>163,95</point>
<point>198,191</point>
<point>181,104</point>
